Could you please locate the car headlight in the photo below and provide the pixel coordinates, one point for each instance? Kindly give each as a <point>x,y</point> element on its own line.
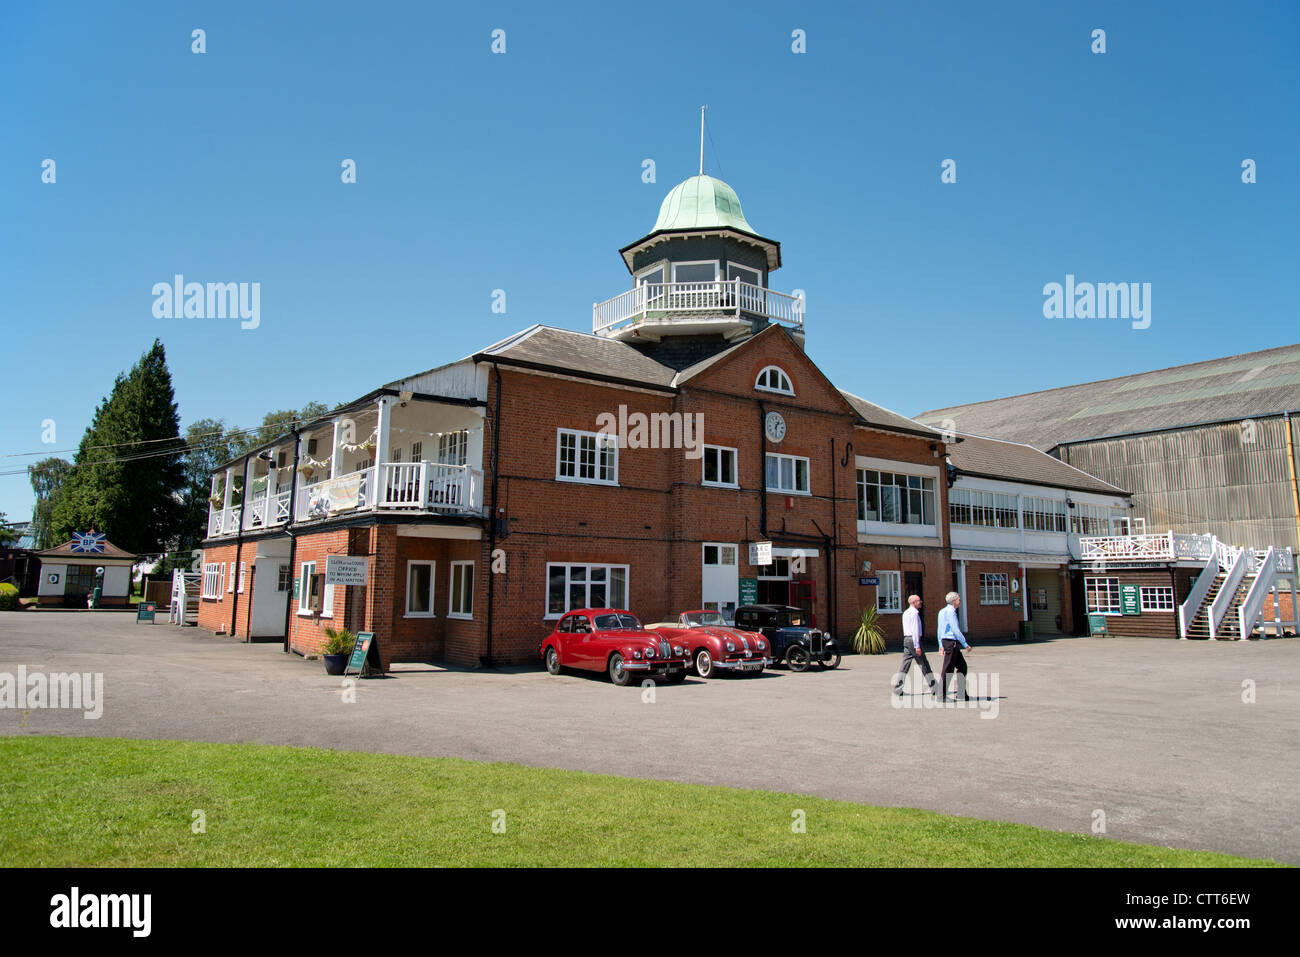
<point>649,652</point>
<point>731,646</point>
<point>636,654</point>
<point>761,646</point>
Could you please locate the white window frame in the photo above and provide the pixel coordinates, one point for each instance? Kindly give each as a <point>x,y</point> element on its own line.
<point>697,262</point>
<point>453,448</point>
<point>211,580</point>
<point>862,483</point>
<point>304,592</point>
<point>783,377</point>
<point>735,466</point>
<point>600,438</point>
<point>243,573</point>
<point>549,615</point>
<point>221,582</point>
<point>1112,591</point>
<point>284,577</point>
<point>417,451</point>
<point>883,591</point>
<point>995,588</point>
<point>230,581</point>
<point>758,274</point>
<point>735,554</point>
<point>794,472</point>
<point>661,267</point>
<point>1163,601</point>
<point>433,588</point>
<point>454,593</point>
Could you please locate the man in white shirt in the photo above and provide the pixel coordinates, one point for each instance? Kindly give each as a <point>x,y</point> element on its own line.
<point>912,650</point>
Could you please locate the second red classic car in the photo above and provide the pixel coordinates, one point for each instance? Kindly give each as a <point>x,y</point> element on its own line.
<point>714,646</point>
<point>613,641</point>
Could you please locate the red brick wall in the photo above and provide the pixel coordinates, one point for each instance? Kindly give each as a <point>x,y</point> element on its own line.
<point>229,614</point>
<point>992,621</point>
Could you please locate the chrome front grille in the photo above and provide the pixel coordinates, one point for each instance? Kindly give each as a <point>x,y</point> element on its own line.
<point>664,650</point>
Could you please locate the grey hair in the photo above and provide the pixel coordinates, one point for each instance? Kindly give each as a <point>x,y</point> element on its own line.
<point>951,597</point>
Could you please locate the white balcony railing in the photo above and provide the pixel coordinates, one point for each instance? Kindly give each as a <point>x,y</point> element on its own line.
<point>729,297</point>
<point>1145,548</point>
<point>451,489</point>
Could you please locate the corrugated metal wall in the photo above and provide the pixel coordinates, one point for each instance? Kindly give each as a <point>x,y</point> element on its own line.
<point>1231,480</point>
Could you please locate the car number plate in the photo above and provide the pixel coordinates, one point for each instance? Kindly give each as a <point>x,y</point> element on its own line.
<point>751,665</point>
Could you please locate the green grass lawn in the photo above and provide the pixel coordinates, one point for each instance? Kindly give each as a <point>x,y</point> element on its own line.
<point>107,801</point>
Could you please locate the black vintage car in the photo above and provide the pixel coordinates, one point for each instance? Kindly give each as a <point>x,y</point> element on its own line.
<point>794,641</point>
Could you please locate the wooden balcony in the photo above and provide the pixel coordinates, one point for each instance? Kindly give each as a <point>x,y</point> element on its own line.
<point>705,304</point>
<point>404,486</point>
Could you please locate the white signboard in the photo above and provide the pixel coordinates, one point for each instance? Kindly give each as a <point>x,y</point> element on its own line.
<point>760,553</point>
<point>346,570</point>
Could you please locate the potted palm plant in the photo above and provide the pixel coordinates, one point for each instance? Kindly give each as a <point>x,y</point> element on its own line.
<point>338,649</point>
<point>870,637</point>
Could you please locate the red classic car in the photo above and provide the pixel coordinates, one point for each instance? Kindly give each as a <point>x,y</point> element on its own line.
<point>715,646</point>
<point>613,641</point>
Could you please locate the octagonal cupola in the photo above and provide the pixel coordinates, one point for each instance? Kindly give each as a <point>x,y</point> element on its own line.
<point>702,270</point>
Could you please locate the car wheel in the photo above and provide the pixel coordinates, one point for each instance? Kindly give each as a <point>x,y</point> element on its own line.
<point>832,662</point>
<point>704,664</point>
<point>797,659</point>
<point>675,677</point>
<point>617,673</point>
<point>552,661</point>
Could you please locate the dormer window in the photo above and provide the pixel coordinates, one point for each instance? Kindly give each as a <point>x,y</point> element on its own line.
<point>772,379</point>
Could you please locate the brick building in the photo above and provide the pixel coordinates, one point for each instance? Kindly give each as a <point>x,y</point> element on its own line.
<point>629,467</point>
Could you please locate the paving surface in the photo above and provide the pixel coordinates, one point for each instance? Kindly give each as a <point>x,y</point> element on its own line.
<point>1153,733</point>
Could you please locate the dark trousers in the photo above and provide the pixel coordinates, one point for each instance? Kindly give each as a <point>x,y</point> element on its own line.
<point>909,655</point>
<point>952,660</point>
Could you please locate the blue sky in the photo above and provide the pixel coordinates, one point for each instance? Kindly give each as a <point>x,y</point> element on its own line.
<point>522,172</point>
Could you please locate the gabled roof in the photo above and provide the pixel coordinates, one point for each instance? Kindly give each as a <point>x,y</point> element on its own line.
<point>1016,462</point>
<point>65,551</point>
<point>878,417</point>
<point>578,353</point>
<point>1249,385</point>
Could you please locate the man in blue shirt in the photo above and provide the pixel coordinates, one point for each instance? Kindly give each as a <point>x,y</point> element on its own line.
<point>953,642</point>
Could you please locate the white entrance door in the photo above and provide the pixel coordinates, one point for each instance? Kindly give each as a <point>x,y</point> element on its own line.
<point>721,578</point>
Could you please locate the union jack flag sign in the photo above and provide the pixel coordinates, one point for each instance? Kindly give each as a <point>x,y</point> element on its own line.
<point>87,541</point>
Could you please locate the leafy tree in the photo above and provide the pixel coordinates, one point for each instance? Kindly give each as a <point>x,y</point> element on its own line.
<point>8,534</point>
<point>277,423</point>
<point>208,445</point>
<point>47,477</point>
<point>128,475</point>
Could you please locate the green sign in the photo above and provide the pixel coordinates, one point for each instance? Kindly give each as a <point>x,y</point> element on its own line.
<point>749,591</point>
<point>1015,604</point>
<point>296,582</point>
<point>144,611</point>
<point>359,651</point>
<point>1097,624</point>
<point>1130,600</point>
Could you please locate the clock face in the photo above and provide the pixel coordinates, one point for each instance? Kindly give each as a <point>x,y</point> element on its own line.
<point>774,425</point>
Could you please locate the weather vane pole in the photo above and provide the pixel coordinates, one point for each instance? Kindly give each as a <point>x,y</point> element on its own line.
<point>702,109</point>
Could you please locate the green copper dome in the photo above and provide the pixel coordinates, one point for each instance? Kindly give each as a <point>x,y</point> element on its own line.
<point>702,202</point>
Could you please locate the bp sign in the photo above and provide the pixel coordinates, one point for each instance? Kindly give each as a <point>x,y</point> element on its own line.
<point>1130,600</point>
